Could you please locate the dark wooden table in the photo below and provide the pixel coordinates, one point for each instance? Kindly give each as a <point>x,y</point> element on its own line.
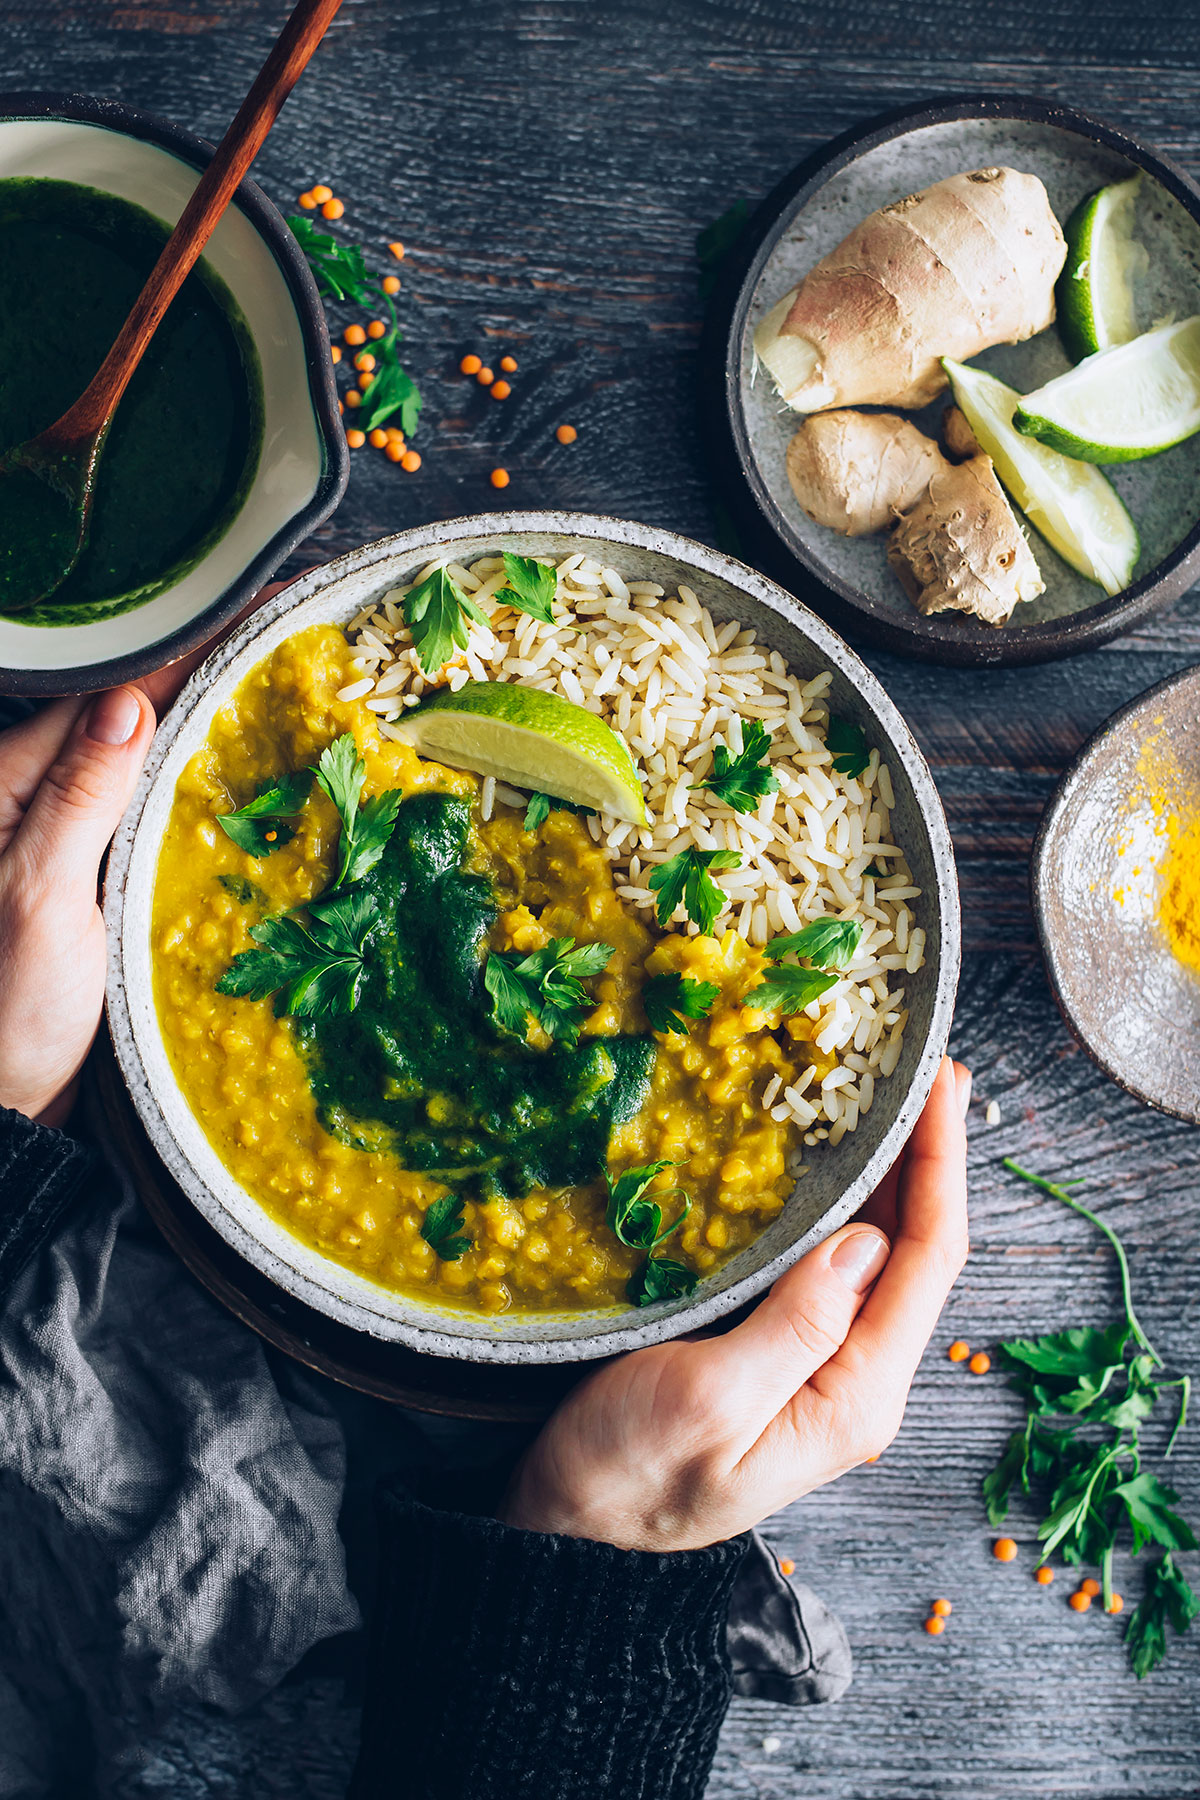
<point>547,163</point>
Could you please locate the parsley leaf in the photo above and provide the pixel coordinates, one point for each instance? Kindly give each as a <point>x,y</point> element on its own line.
<point>530,587</point>
<point>741,781</point>
<point>659,1278</point>
<point>443,1219</point>
<point>366,825</point>
<point>340,270</point>
<point>437,611</point>
<point>1013,1466</point>
<point>275,801</point>
<point>671,1000</point>
<point>847,746</point>
<point>537,812</point>
<point>633,1218</point>
<point>686,878</point>
<point>313,971</point>
<point>1167,1597</point>
<point>1081,1350</point>
<point>547,983</point>
<point>393,390</point>
<point>1148,1504</point>
<point>789,988</point>
<point>830,943</point>
<point>542,805</point>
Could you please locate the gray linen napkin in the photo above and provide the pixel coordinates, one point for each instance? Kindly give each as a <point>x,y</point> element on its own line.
<point>170,1494</point>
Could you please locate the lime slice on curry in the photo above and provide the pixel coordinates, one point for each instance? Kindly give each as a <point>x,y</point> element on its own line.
<point>1095,289</point>
<point>529,739</point>
<point>1121,404</point>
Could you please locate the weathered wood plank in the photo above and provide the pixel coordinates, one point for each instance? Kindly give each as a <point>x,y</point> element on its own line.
<point>548,163</point>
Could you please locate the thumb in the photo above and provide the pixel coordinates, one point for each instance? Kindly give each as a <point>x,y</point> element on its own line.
<point>803,1321</point>
<point>84,792</point>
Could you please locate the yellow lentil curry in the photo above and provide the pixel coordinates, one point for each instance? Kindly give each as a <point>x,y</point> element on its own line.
<point>284,1114</point>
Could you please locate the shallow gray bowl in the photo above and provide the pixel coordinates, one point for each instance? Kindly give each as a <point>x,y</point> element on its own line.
<point>839,1181</point>
<point>1127,998</point>
<point>810,212</point>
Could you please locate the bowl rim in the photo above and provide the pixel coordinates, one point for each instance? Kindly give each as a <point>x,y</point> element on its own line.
<point>1044,850</point>
<point>848,607</point>
<point>409,547</point>
<point>270,226</point>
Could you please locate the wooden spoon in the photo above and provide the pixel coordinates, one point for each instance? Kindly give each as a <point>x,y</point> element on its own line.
<point>46,483</point>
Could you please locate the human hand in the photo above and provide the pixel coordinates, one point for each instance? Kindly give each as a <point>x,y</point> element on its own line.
<point>66,777</point>
<point>691,1442</point>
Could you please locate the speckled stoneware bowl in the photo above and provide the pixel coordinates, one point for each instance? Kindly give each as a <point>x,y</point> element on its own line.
<point>806,216</point>
<point>304,464</point>
<point>839,1180</point>
<point>1133,1006</point>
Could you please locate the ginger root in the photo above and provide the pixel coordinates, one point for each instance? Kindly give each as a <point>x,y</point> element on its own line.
<point>855,472</point>
<point>958,440</point>
<point>966,263</point>
<point>960,548</point>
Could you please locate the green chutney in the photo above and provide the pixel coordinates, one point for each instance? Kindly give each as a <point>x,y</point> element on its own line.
<point>420,1063</point>
<point>185,441</point>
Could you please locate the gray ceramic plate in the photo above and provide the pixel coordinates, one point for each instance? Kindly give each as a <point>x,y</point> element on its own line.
<point>839,1180</point>
<point>807,215</point>
<point>1096,872</point>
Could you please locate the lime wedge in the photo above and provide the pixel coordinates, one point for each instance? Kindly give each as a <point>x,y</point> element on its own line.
<point>1071,503</point>
<point>1095,289</point>
<point>1124,403</point>
<point>529,739</point>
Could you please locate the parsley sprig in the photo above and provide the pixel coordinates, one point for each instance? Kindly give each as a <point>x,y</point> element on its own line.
<point>542,805</point>
<point>259,827</point>
<point>660,1278</point>
<point>437,611</point>
<point>685,878</point>
<point>634,1219</point>
<point>342,275</point>
<point>340,269</point>
<point>530,586</point>
<point>848,747</point>
<point>1086,1400</point>
<point>547,983</point>
<point>391,389</point>
<point>671,1001</point>
<point>366,825</point>
<point>742,781</point>
<point>441,1226</point>
<point>314,971</point>
<point>827,947</point>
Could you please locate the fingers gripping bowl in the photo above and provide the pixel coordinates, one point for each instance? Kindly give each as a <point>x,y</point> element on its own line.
<point>538,888</point>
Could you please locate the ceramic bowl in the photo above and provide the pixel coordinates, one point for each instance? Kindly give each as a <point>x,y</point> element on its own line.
<point>304,465</point>
<point>1097,862</point>
<point>810,212</point>
<point>839,1180</point>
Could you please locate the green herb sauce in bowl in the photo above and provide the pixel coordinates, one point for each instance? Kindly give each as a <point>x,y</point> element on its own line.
<point>186,439</point>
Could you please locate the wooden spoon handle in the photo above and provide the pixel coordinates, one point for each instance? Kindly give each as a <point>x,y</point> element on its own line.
<point>216,187</point>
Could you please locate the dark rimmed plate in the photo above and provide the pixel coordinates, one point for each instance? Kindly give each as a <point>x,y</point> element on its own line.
<point>749,428</point>
<point>305,464</point>
<point>1132,1005</point>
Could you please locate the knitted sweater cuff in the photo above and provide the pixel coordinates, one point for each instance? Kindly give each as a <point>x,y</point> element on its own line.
<point>41,1171</point>
<point>509,1663</point>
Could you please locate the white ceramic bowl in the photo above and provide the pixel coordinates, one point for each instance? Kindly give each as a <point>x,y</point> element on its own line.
<point>839,1179</point>
<point>304,465</point>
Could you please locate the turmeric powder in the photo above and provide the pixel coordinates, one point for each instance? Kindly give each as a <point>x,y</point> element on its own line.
<point>1179,893</point>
